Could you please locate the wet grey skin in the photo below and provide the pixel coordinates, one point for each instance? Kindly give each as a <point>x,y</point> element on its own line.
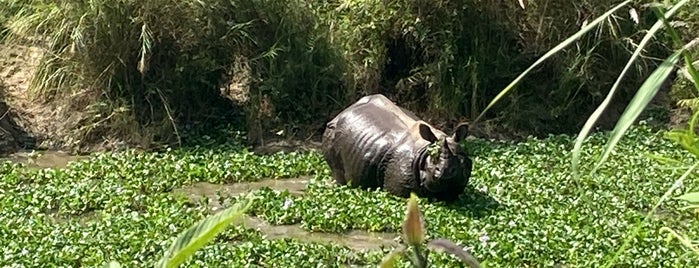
<point>374,143</point>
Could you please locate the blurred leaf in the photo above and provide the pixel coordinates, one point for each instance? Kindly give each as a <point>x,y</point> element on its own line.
<point>442,244</point>
<point>196,236</point>
<point>389,261</point>
<point>689,197</point>
<point>112,264</point>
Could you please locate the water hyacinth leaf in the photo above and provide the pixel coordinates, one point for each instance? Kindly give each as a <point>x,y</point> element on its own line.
<point>689,197</point>
<point>112,264</point>
<point>551,52</point>
<point>585,131</point>
<point>199,234</point>
<point>637,227</point>
<point>644,95</point>
<point>447,245</point>
<point>389,261</point>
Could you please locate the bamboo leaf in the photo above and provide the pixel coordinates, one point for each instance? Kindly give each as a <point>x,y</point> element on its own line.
<point>644,95</point>
<point>199,234</point>
<point>689,197</point>
<point>551,52</point>
<point>585,131</point>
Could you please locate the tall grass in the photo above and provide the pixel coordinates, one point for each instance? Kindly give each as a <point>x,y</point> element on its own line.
<point>445,60</point>
<point>143,67</point>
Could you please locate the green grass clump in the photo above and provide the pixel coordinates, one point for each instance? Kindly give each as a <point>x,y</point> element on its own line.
<point>522,208</point>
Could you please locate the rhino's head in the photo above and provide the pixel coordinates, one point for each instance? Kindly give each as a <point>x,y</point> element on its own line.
<point>444,164</point>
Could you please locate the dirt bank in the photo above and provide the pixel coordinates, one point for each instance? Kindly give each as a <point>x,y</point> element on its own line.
<point>31,122</point>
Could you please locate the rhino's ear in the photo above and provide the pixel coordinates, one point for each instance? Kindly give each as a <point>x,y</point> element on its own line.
<point>460,132</point>
<point>426,133</point>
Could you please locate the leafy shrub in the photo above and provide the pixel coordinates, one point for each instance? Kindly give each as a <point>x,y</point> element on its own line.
<point>446,59</point>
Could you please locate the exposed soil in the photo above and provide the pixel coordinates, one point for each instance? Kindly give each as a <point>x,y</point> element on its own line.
<point>32,122</point>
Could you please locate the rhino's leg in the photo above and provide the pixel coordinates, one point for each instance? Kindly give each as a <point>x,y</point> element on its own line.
<point>361,170</point>
<point>331,155</point>
<point>398,177</point>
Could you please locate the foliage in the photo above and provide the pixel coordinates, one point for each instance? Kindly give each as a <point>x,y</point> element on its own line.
<point>142,67</point>
<point>684,137</point>
<point>146,70</point>
<point>431,57</point>
<point>414,235</point>
<point>523,208</point>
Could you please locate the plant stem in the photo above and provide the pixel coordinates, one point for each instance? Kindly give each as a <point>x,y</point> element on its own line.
<point>419,258</point>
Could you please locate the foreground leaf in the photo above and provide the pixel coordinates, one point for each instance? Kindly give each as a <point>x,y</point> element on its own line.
<point>389,261</point>
<point>585,131</point>
<point>550,53</point>
<point>689,197</point>
<point>446,245</point>
<point>196,236</point>
<point>112,264</point>
<point>644,95</point>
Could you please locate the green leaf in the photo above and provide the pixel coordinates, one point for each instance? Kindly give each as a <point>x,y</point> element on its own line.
<point>585,131</point>
<point>112,264</point>
<point>389,261</point>
<point>689,197</point>
<point>446,245</point>
<point>551,52</point>
<point>644,95</point>
<point>199,234</point>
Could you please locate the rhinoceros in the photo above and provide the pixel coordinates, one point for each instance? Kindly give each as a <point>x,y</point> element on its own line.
<point>374,143</point>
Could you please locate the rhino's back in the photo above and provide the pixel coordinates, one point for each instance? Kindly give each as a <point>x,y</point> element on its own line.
<point>360,137</point>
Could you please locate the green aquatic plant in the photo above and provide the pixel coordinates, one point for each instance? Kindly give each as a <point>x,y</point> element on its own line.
<point>416,249</point>
<point>664,12</point>
<point>196,236</point>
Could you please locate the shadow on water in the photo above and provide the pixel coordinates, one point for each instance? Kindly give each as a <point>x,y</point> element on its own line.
<point>354,239</point>
<point>473,203</point>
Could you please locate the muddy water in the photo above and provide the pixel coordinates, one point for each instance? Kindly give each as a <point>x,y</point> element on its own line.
<point>43,159</point>
<point>354,239</point>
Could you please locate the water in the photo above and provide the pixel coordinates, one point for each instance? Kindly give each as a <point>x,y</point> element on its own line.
<point>42,159</point>
<point>354,239</point>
